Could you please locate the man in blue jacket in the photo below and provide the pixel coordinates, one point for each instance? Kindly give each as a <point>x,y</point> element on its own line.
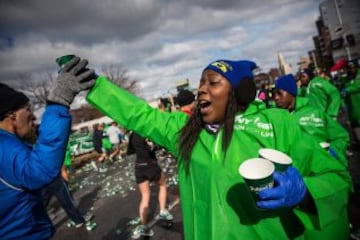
<point>25,170</point>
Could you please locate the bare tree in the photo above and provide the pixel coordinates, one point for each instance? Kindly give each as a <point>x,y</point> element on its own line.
<point>117,74</point>
<point>36,86</point>
<point>84,113</point>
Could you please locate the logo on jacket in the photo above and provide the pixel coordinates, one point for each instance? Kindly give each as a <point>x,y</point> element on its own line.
<point>263,129</point>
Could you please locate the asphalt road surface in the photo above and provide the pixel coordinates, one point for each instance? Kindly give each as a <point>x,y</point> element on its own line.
<point>113,198</point>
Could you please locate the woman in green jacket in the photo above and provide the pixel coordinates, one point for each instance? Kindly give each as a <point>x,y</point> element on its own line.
<point>211,144</point>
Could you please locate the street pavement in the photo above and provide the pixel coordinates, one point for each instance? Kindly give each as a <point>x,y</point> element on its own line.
<point>113,198</point>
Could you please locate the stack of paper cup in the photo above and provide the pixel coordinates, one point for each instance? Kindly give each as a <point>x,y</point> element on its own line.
<point>280,159</point>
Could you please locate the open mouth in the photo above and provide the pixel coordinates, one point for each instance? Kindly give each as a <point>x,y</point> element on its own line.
<point>204,103</point>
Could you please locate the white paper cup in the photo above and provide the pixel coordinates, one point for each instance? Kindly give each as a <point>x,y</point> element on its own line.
<point>258,174</point>
<point>325,145</point>
<point>280,159</point>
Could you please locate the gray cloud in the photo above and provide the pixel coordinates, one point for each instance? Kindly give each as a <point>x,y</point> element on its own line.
<point>81,21</point>
<point>158,41</point>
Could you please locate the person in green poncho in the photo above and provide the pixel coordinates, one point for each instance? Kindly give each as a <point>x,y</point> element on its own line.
<point>352,100</point>
<point>224,131</point>
<point>106,144</point>
<point>312,120</point>
<point>322,94</point>
<point>304,79</point>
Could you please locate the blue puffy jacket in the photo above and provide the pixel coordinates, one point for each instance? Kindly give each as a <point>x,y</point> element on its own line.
<point>25,170</point>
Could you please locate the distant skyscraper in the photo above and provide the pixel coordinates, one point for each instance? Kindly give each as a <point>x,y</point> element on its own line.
<point>284,67</point>
<point>342,17</point>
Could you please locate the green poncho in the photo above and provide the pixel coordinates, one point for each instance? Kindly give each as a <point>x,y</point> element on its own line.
<point>325,96</point>
<point>322,127</point>
<point>352,99</point>
<point>216,203</point>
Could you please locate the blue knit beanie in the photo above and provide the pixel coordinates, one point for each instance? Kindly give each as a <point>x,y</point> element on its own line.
<point>287,83</point>
<point>233,71</point>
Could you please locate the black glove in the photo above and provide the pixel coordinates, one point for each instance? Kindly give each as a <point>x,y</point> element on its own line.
<point>72,79</point>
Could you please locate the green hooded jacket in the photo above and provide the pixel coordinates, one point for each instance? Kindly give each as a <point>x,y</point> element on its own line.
<point>216,203</point>
<point>322,127</point>
<point>325,96</point>
<point>352,99</point>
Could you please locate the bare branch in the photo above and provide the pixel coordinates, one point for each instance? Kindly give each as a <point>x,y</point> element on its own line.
<point>36,86</point>
<point>117,74</point>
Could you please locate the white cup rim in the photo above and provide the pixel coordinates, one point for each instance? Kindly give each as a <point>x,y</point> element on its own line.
<point>325,144</point>
<point>260,168</point>
<point>275,156</point>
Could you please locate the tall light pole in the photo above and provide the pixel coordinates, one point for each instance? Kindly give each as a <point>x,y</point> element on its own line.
<point>342,30</point>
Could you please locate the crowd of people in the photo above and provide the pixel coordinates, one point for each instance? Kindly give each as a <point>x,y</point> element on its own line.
<point>109,142</point>
<point>210,135</point>
<point>328,92</point>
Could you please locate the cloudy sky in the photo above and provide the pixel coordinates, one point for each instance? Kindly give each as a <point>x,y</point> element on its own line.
<point>159,42</point>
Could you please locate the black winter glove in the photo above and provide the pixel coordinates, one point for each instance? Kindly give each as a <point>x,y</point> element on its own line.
<point>72,79</point>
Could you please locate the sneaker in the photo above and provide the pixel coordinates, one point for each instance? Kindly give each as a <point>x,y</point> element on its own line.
<point>165,215</point>
<point>135,221</point>
<point>90,225</point>
<point>93,164</point>
<point>111,159</point>
<point>355,235</point>
<point>88,216</point>
<point>71,223</point>
<point>142,231</point>
<point>120,159</point>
